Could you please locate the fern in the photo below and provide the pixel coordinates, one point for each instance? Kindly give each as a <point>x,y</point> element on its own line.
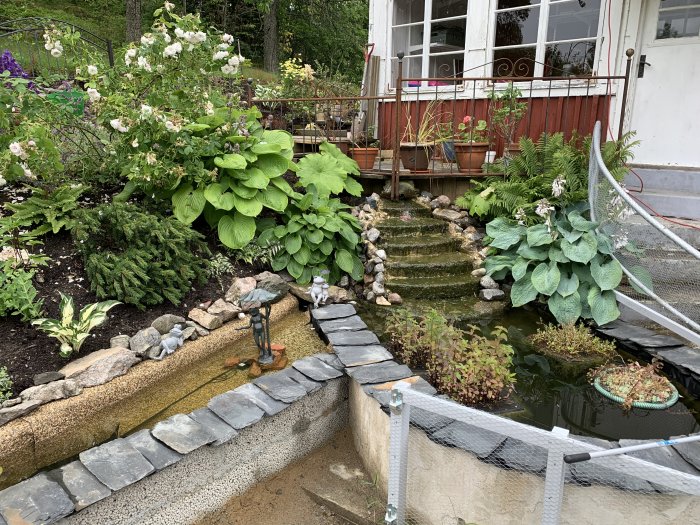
<point>51,211</point>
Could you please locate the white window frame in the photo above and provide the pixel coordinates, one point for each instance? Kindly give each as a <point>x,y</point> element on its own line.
<point>672,40</point>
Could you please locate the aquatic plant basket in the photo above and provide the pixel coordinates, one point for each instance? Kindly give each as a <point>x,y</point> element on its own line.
<point>648,405</point>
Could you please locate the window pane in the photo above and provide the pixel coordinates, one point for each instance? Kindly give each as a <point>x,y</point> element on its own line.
<point>447,35</point>
<point>449,8</point>
<point>517,27</point>
<point>678,23</point>
<point>505,4</point>
<point>518,62</point>
<point>567,59</point>
<point>571,20</point>
<point>677,3</point>
<point>451,65</point>
<point>412,68</point>
<point>408,11</point>
<point>408,39</point>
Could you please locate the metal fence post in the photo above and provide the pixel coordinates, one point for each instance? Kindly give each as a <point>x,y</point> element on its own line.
<point>110,53</point>
<point>398,459</point>
<point>396,160</point>
<point>629,53</point>
<point>554,480</point>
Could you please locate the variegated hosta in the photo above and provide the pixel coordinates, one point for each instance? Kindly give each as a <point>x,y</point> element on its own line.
<point>71,332</point>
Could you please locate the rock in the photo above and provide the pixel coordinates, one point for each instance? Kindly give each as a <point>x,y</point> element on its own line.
<point>373,235</point>
<point>216,426</point>
<point>190,333</point>
<point>15,411</point>
<point>264,275</point>
<point>280,387</point>
<point>381,254</point>
<point>473,236</point>
<point>371,249</point>
<point>379,279</point>
<point>491,295</point>
<point>182,434</point>
<point>116,463</point>
<point>394,298</point>
<point>369,267</point>
<point>224,310</point>
<point>201,331</point>
<point>119,341</point>
<point>102,366</point>
<point>377,260</point>
<point>333,311</point>
<point>352,338</point>
<point>466,247</point>
<point>37,500</point>
<point>479,272</point>
<point>270,405</point>
<point>666,456</point>
<point>153,450</point>
<point>379,268</point>
<point>11,402</point>
<point>378,288</point>
<point>379,372</point>
<point>426,195</point>
<point>166,322</point>
<point>144,339</point>
<point>274,284</point>
<point>382,301</point>
<point>342,325</point>
<point>370,296</point>
<point>236,409</point>
<point>336,294</point>
<point>487,282</point>
<point>368,279</point>
<point>483,253</point>
<point>309,384</point>
<point>344,281</point>
<point>443,201</point>
<point>83,488</point>
<point>207,320</point>
<point>454,229</point>
<point>47,377</point>
<point>239,287</point>
<point>52,391</point>
<point>367,208</point>
<point>361,355</point>
<point>448,215</point>
<point>316,369</point>
<point>301,292</point>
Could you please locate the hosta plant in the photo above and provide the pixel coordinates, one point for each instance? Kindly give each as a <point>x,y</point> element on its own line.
<point>317,234</point>
<point>71,332</point>
<point>564,261</point>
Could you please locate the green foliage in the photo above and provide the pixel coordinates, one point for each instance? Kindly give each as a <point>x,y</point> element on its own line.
<point>563,260</point>
<point>137,257</point>
<point>255,254</point>
<point>571,341</point>
<point>17,293</point>
<point>329,171</point>
<point>48,210</point>
<point>505,112</point>
<point>71,332</point>
<point>218,267</point>
<point>5,387</point>
<point>317,234</point>
<point>531,175</point>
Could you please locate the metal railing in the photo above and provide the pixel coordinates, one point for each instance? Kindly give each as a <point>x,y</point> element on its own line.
<point>662,269</point>
<point>504,460</point>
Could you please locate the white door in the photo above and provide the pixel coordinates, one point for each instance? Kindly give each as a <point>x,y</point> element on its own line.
<point>665,105</point>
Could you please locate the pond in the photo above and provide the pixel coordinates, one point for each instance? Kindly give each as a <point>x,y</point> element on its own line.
<point>544,397</point>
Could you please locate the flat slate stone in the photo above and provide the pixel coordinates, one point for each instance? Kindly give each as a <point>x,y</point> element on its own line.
<point>270,405</point>
<point>518,455</point>
<point>216,426</point>
<point>153,450</point>
<point>476,440</point>
<point>236,409</point>
<point>417,383</point>
<point>331,360</point>
<point>683,356</point>
<point>349,324</point>
<point>38,500</point>
<point>665,456</point>
<point>182,434</point>
<point>379,372</point>
<point>362,355</point>
<point>639,335</point>
<point>333,311</point>
<point>689,452</point>
<point>298,377</point>
<point>429,421</point>
<point>83,488</point>
<point>280,387</point>
<point>316,369</point>
<point>591,472</point>
<point>359,338</point>
<point>116,463</point>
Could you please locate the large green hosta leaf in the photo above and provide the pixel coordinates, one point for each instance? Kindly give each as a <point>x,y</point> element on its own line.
<point>272,164</point>
<point>188,204</point>
<point>567,309</point>
<point>248,207</point>
<point>323,172</point>
<point>523,291</point>
<point>546,277</point>
<point>256,179</point>
<point>603,305</point>
<point>231,161</point>
<point>504,233</point>
<point>583,250</point>
<point>273,198</point>
<point>236,231</point>
<point>607,275</point>
<point>283,139</point>
<point>539,235</point>
<point>345,260</point>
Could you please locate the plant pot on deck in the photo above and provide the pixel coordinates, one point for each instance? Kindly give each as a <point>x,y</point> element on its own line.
<point>470,156</point>
<point>365,157</point>
<point>415,157</point>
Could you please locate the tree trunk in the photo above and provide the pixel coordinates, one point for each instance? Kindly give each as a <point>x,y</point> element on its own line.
<point>133,20</point>
<point>270,39</point>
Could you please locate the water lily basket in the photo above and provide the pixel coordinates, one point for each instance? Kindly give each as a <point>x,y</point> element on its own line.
<point>647,405</point>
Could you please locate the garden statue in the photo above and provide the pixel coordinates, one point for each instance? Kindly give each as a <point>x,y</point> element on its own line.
<point>258,302</point>
<point>172,342</point>
<point>316,290</point>
<point>324,293</point>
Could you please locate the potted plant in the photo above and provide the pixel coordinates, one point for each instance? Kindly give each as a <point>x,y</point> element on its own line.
<point>505,113</point>
<point>417,144</point>
<point>635,386</point>
<point>365,149</point>
<point>471,145</point>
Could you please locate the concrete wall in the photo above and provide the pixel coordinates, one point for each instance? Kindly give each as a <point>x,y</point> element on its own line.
<point>206,478</point>
<point>447,483</point>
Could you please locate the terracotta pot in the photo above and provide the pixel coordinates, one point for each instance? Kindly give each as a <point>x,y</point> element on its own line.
<point>415,157</point>
<point>364,157</point>
<point>470,156</point>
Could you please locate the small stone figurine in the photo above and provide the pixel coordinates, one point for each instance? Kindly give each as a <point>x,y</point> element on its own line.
<point>324,293</point>
<point>171,343</point>
<point>316,290</point>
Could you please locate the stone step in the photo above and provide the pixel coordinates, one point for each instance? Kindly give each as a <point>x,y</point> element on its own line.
<point>418,226</point>
<point>443,264</point>
<point>397,208</point>
<point>434,287</point>
<point>420,244</point>
<point>664,179</point>
<point>671,203</point>
<point>638,228</point>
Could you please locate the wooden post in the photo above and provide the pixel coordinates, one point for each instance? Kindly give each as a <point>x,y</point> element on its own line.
<point>396,161</point>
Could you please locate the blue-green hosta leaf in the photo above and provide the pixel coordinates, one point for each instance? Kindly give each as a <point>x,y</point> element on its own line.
<point>582,250</point>
<point>567,309</point>
<point>272,164</point>
<point>295,269</point>
<point>345,162</point>
<point>345,261</point>
<point>231,161</point>
<point>555,254</point>
<point>519,268</point>
<point>523,291</point>
<point>326,247</point>
<point>603,305</point>
<point>605,244</point>
<point>583,271</point>
<point>607,275</point>
<point>538,235</point>
<point>534,254</point>
<point>303,255</point>
<point>188,204</point>
<point>256,179</point>
<point>236,231</point>
<point>293,243</point>
<point>568,284</point>
<point>644,277</point>
<point>496,263</point>
<point>504,233</point>
<point>314,236</point>
<point>546,277</point>
<point>273,198</point>
<point>579,223</point>
<point>323,172</point>
<point>569,235</point>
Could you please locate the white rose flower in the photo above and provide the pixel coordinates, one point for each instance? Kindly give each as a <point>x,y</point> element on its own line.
<point>92,70</point>
<point>57,45</point>
<point>172,50</point>
<point>151,158</point>
<point>200,37</point>
<point>146,110</point>
<point>179,32</point>
<point>171,126</point>
<point>17,150</point>
<point>222,46</point>
<point>118,125</point>
<point>31,144</point>
<point>129,55</point>
<point>93,94</point>
<point>228,70</point>
<point>55,53</point>
<point>148,39</point>
<point>169,6</point>
<point>227,38</point>
<point>234,61</point>
<point>135,143</point>
<point>220,55</point>
<point>129,76</point>
<point>27,172</point>
<point>209,108</point>
<point>167,38</point>
<point>143,63</point>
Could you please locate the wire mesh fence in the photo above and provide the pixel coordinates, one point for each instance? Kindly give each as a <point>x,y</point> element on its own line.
<point>454,465</point>
<point>662,272</point>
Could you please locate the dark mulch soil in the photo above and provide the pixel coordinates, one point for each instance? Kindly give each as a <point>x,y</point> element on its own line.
<point>26,351</point>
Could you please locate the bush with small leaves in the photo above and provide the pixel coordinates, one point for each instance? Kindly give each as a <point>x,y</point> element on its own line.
<point>571,342</point>
<point>5,387</point>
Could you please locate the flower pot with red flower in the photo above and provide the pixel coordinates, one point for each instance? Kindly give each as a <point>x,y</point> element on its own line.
<point>471,145</point>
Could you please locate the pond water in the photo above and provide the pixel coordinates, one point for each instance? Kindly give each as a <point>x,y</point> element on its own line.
<point>545,397</point>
